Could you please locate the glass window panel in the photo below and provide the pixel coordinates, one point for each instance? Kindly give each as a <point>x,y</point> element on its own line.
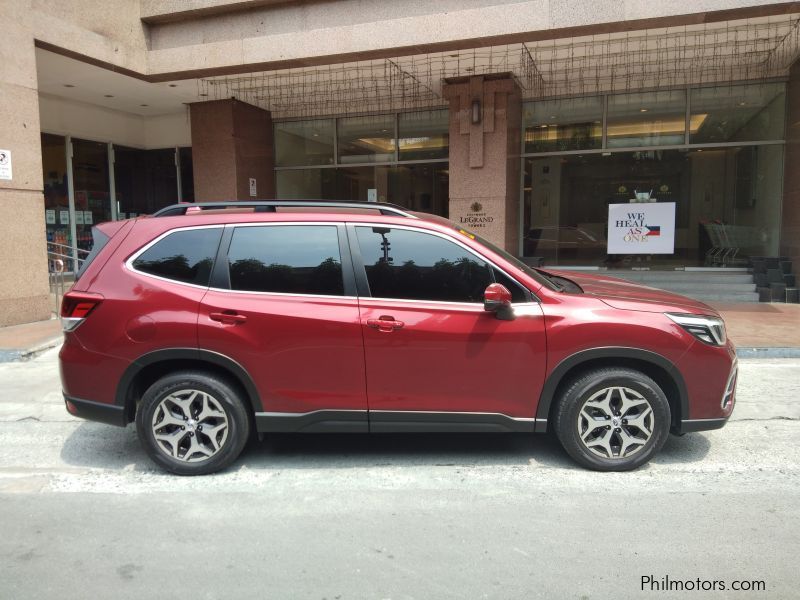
<point>92,198</point>
<point>56,197</point>
<point>558,125</point>
<point>418,266</point>
<point>185,256</point>
<point>145,180</point>
<point>294,259</point>
<point>424,135</point>
<point>187,175</point>
<point>738,113</point>
<point>300,143</point>
<point>422,187</point>
<point>735,191</point>
<point>366,139</point>
<point>646,119</point>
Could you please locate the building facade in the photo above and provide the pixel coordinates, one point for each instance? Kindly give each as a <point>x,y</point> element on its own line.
<point>522,120</point>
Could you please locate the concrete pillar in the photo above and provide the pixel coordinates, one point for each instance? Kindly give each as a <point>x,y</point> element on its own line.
<point>485,121</point>
<point>790,221</point>
<point>231,144</point>
<point>24,291</point>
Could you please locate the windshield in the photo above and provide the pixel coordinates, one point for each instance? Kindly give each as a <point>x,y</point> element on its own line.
<point>535,274</point>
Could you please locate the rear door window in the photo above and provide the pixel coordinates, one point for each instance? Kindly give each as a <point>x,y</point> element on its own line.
<point>288,259</point>
<point>184,255</point>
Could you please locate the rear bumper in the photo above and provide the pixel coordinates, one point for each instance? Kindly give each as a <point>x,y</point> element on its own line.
<point>96,411</point>
<point>692,425</point>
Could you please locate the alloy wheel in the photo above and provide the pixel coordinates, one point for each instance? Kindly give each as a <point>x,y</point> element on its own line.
<point>190,425</point>
<point>615,422</point>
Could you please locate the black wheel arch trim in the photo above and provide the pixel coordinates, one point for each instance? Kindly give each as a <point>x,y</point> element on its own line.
<point>607,352</point>
<point>195,354</point>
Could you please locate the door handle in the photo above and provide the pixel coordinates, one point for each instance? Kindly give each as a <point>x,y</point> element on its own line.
<point>386,323</point>
<point>228,317</point>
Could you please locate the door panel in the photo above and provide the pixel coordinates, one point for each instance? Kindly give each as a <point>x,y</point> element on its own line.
<point>453,358</point>
<point>303,353</point>
<point>429,344</point>
<point>290,315</point>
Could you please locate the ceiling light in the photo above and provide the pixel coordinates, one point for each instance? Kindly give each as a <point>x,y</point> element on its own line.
<point>642,110</point>
<point>742,103</point>
<point>543,126</point>
<point>68,85</point>
<point>552,116</point>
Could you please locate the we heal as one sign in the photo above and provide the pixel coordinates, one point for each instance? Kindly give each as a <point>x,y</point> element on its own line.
<point>641,228</point>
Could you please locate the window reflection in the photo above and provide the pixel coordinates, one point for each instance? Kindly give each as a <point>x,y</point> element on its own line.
<point>738,113</point>
<point>294,259</point>
<point>424,135</point>
<point>300,143</point>
<point>366,139</point>
<point>418,266</point>
<point>558,125</point>
<point>647,119</point>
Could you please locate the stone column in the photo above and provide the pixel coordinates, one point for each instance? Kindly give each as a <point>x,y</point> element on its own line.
<point>231,143</point>
<point>24,290</point>
<point>790,221</point>
<point>485,115</point>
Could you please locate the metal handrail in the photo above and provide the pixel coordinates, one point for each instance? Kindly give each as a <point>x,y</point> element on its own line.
<point>384,208</point>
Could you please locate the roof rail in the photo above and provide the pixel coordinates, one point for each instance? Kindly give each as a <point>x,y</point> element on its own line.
<point>271,205</point>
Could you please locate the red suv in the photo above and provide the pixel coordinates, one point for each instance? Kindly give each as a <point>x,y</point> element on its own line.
<point>207,323</point>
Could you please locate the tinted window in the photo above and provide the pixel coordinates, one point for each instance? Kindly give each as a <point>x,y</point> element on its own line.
<point>302,259</point>
<point>420,266</point>
<point>183,256</point>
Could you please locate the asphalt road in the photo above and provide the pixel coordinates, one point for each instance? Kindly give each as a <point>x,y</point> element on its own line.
<point>84,514</point>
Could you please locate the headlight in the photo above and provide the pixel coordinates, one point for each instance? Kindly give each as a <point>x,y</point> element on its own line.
<point>710,330</point>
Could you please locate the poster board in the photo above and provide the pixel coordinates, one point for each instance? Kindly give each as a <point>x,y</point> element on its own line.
<point>641,228</point>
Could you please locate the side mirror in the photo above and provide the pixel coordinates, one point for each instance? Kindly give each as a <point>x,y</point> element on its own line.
<point>497,299</point>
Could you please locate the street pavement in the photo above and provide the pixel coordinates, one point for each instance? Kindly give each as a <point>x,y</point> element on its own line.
<point>84,514</point>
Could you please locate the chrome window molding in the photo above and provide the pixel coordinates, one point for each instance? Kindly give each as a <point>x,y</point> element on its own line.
<point>151,243</point>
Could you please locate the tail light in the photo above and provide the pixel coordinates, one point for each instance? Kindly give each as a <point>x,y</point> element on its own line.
<point>76,306</point>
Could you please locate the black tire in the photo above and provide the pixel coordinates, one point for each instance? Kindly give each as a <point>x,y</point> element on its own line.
<point>569,429</point>
<point>223,399</point>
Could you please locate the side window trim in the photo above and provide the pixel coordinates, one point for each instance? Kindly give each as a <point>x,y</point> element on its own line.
<point>133,257</point>
<point>220,276</point>
<point>362,283</point>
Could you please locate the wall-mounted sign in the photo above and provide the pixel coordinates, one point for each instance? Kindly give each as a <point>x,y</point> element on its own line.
<point>253,187</point>
<point>78,217</point>
<point>476,217</point>
<point>63,216</point>
<point>641,228</point>
<point>372,194</point>
<point>87,217</point>
<point>50,216</point>
<point>5,164</point>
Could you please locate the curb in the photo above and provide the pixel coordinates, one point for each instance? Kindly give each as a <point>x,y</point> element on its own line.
<point>7,356</point>
<point>768,352</point>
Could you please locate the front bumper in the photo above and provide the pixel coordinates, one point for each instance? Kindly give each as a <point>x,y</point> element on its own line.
<point>96,411</point>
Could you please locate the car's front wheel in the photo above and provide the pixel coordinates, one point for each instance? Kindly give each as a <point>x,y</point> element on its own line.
<point>192,423</point>
<point>612,419</point>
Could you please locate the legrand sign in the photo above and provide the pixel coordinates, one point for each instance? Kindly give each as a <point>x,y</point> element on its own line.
<point>646,228</point>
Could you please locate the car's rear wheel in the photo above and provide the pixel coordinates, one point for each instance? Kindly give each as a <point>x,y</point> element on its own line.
<point>192,423</point>
<point>613,419</point>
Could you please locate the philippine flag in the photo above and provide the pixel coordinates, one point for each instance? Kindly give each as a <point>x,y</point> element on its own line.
<point>653,230</point>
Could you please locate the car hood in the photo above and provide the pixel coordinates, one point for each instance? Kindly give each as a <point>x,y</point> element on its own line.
<point>626,295</point>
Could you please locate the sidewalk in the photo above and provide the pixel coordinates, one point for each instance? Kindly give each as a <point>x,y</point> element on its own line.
<point>757,329</point>
<point>22,341</point>
<point>763,329</point>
